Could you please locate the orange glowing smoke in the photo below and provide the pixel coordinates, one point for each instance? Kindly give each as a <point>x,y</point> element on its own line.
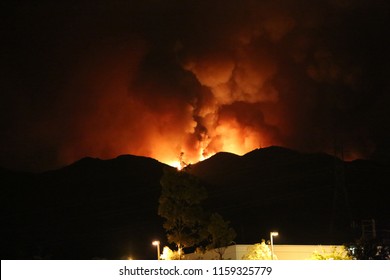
<point>180,82</point>
<point>181,104</point>
<point>207,109</point>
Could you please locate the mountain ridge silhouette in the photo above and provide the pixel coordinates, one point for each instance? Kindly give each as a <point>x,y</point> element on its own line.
<point>97,208</point>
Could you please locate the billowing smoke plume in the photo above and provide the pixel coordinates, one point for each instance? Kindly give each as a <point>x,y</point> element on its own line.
<point>196,78</point>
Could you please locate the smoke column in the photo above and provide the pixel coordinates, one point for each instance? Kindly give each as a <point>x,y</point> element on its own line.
<point>186,80</point>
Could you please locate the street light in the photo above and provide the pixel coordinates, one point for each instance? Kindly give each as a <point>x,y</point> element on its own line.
<point>157,244</point>
<point>272,234</point>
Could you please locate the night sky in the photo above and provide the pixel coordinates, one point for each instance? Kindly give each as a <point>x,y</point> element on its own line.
<point>160,78</point>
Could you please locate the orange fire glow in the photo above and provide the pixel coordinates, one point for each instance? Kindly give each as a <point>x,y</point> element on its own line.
<point>180,83</point>
<point>156,123</point>
<point>217,101</point>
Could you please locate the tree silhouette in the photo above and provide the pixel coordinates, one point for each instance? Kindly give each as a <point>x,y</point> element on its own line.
<point>180,206</point>
<point>220,233</point>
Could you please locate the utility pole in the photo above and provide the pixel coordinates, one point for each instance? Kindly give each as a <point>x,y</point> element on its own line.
<point>341,212</point>
<point>369,229</point>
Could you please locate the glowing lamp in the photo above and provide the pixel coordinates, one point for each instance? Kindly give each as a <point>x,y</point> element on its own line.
<point>157,244</point>
<point>272,234</point>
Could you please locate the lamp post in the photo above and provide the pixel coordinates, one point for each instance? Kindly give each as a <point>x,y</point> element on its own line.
<point>157,244</point>
<point>272,234</point>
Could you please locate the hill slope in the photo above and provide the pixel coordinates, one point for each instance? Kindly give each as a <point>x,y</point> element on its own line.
<point>108,208</point>
<point>90,209</point>
<point>280,189</point>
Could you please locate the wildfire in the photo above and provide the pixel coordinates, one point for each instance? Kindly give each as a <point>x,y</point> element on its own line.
<point>179,164</point>
<point>176,164</point>
<point>233,96</point>
<point>183,160</point>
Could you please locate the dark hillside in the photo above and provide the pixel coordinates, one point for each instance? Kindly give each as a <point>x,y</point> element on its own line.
<point>280,189</point>
<point>90,209</point>
<point>108,208</point>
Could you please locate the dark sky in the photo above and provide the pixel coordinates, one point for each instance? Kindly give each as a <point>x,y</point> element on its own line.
<point>157,78</point>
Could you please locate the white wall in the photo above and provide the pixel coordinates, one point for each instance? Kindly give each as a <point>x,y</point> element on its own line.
<point>282,252</point>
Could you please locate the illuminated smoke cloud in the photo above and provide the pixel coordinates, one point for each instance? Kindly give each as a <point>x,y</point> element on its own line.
<point>236,78</point>
<point>200,77</point>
